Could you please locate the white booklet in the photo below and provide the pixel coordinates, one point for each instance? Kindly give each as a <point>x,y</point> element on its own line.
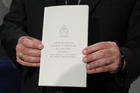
<point>65,35</point>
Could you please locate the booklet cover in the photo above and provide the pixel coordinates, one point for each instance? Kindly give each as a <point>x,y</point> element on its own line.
<point>65,35</point>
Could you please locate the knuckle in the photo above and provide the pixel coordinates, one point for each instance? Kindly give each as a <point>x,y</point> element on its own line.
<point>115,50</point>
<point>107,61</point>
<point>115,67</point>
<point>94,64</point>
<point>27,51</point>
<point>34,45</point>
<point>103,45</point>
<point>106,44</point>
<point>110,51</point>
<point>88,58</point>
<point>100,44</point>
<point>28,43</point>
<point>104,69</point>
<point>113,58</point>
<point>118,52</point>
<point>102,54</point>
<point>88,49</point>
<point>99,63</point>
<point>18,47</point>
<point>104,60</point>
<point>17,60</point>
<point>24,40</point>
<point>112,43</point>
<point>91,65</point>
<point>21,39</point>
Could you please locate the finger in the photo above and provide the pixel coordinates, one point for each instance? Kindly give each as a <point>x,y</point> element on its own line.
<point>98,70</point>
<point>18,47</point>
<point>31,59</point>
<point>97,55</point>
<point>32,43</point>
<point>27,63</point>
<point>94,56</point>
<point>108,68</point>
<point>96,47</point>
<point>99,63</point>
<point>31,52</point>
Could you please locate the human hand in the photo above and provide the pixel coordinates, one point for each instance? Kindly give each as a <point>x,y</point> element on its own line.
<point>30,50</point>
<point>102,57</point>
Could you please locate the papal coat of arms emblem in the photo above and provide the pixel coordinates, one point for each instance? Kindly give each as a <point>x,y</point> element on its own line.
<point>64,31</point>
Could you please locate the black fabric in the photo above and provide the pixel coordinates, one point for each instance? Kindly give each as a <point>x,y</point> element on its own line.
<point>72,2</point>
<point>109,20</point>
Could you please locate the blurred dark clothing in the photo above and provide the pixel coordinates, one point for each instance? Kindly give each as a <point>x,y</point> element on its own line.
<point>109,20</point>
<point>9,79</point>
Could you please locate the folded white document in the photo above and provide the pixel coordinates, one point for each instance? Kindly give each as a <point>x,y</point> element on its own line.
<point>65,34</point>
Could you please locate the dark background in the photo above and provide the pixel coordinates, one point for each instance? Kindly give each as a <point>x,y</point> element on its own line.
<point>9,78</point>
<point>4,6</point>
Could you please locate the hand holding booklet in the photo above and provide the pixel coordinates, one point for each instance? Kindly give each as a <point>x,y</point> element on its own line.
<point>65,34</point>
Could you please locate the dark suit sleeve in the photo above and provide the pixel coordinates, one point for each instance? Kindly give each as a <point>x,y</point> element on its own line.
<point>131,49</point>
<point>13,27</point>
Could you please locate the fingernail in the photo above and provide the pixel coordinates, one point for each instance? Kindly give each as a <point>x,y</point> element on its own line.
<point>85,51</point>
<point>85,59</point>
<point>40,46</point>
